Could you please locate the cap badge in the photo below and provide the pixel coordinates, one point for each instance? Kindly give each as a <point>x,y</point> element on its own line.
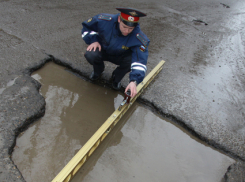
<point>130,18</point>
<point>133,13</point>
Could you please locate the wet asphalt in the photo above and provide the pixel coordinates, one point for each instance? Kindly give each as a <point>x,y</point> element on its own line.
<point>201,86</point>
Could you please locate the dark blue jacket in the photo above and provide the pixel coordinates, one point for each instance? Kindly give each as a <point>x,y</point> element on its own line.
<point>104,28</point>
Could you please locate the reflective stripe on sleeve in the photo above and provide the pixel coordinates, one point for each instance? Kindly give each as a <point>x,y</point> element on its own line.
<point>84,34</point>
<point>138,66</point>
<point>93,33</point>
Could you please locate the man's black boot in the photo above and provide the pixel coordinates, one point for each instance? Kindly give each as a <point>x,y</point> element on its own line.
<point>115,85</point>
<point>94,77</point>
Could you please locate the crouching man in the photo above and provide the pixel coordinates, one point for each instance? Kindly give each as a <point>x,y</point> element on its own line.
<point>119,40</point>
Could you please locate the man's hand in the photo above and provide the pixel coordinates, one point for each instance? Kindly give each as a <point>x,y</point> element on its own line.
<point>94,46</point>
<point>133,88</point>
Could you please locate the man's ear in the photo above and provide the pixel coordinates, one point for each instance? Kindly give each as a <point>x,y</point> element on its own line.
<point>118,19</point>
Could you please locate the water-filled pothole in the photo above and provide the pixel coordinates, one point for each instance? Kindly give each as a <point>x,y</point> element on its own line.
<point>142,147</point>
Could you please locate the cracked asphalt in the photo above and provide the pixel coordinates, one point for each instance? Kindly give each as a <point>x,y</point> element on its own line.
<point>201,87</point>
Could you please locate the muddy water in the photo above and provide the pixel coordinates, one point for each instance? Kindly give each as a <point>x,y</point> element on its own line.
<point>142,147</point>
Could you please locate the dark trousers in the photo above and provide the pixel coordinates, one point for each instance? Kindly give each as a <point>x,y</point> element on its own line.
<point>97,58</point>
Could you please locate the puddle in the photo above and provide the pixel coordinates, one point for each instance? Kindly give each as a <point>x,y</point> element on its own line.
<point>149,148</point>
<point>142,147</point>
<point>75,109</point>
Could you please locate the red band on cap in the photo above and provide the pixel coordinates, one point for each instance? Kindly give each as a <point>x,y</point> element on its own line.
<point>129,18</point>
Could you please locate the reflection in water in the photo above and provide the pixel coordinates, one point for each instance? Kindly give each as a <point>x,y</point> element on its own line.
<point>142,146</point>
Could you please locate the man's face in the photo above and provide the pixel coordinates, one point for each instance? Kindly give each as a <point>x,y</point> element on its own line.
<point>125,30</point>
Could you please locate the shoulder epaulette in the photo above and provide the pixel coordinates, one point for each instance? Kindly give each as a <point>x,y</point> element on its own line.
<point>141,39</point>
<point>105,17</point>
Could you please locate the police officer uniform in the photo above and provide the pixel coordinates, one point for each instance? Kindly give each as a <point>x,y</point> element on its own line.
<point>129,52</point>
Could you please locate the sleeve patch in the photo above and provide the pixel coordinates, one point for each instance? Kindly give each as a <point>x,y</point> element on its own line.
<point>142,39</point>
<point>105,17</point>
<point>142,48</point>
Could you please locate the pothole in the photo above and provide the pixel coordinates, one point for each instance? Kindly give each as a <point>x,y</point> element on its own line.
<point>142,147</point>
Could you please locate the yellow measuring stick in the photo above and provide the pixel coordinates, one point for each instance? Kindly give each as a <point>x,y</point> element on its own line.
<point>67,173</point>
